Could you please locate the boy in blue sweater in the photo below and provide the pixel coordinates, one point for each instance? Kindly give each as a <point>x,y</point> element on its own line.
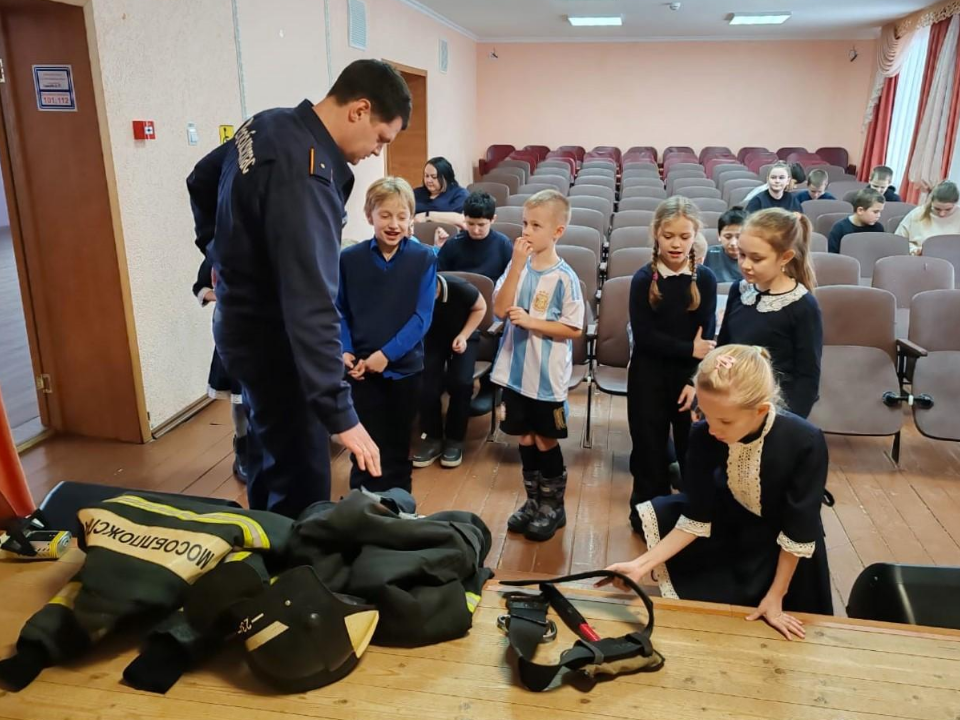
<point>387,289</point>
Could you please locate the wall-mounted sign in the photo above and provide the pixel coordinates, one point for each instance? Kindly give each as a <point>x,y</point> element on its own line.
<point>54,85</point>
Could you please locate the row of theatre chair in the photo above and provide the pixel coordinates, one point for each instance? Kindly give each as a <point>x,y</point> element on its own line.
<point>575,156</point>
<point>871,364</point>
<point>640,186</point>
<point>594,256</point>
<point>885,344</point>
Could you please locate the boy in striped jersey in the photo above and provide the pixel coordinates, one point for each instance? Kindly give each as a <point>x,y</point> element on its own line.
<point>540,300</point>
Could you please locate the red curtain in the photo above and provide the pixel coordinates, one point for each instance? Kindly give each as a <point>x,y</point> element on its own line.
<point>15,498</point>
<point>951,138</point>
<point>878,131</point>
<point>938,33</point>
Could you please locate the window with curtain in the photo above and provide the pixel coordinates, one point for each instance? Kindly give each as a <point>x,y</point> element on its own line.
<point>906,105</point>
<point>955,164</point>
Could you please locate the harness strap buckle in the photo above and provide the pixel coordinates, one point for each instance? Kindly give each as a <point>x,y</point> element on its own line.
<point>549,627</point>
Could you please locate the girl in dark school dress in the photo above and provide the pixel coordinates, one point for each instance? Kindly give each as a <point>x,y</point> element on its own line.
<point>747,529</point>
<point>774,307</point>
<point>673,305</point>
<point>220,386</point>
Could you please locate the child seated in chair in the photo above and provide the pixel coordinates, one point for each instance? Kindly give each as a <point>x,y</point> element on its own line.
<point>724,258</point>
<point>867,206</point>
<point>817,181</point>
<point>478,248</point>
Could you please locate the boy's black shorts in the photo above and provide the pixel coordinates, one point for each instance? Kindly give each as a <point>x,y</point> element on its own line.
<point>520,415</point>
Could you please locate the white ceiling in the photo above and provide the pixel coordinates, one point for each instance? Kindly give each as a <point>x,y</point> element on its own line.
<point>545,20</point>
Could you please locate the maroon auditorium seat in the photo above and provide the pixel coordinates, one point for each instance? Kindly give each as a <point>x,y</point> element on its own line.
<point>744,151</point>
<point>806,159</point>
<point>835,156</point>
<point>785,152</point>
<point>714,151</point>
<point>609,150</point>
<point>755,162</point>
<point>642,149</point>
<point>578,151</point>
<point>526,156</point>
<point>539,150</point>
<point>494,154</point>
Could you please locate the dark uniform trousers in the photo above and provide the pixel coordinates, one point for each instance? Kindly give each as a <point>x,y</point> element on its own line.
<point>387,408</point>
<point>653,387</point>
<point>444,369</point>
<point>288,446</point>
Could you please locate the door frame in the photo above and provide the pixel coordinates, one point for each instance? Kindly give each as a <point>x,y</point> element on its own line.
<point>26,246</point>
<point>36,338</point>
<point>419,72</point>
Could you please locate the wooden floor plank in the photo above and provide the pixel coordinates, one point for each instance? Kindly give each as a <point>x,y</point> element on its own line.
<point>863,534</point>
<point>884,513</point>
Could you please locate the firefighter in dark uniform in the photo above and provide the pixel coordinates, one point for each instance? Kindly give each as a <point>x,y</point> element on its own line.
<point>280,189</point>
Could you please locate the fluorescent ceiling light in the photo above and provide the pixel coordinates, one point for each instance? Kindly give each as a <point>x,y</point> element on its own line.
<point>603,21</point>
<point>770,18</point>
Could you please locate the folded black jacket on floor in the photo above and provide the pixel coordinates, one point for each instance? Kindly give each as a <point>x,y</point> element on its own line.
<point>423,574</point>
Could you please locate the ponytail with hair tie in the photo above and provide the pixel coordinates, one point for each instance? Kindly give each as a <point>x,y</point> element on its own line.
<point>785,231</point>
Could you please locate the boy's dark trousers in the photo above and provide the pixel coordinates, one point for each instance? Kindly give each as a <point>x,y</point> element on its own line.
<point>386,408</point>
<point>446,370</point>
<point>653,388</point>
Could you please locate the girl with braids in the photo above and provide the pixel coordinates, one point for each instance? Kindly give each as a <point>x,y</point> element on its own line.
<point>773,306</point>
<point>673,305</point>
<point>747,529</point>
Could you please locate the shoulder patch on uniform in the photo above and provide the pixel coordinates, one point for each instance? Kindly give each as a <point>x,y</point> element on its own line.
<point>320,167</point>
<point>244,140</point>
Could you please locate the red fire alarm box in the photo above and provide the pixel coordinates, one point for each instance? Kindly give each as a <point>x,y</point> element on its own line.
<point>143,130</point>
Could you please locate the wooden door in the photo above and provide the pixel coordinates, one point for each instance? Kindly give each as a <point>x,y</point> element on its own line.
<point>407,155</point>
<point>73,270</point>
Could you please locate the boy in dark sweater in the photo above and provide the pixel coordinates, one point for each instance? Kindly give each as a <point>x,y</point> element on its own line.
<point>880,178</point>
<point>450,354</point>
<point>386,296</point>
<point>867,206</point>
<point>478,249</point>
<point>817,181</point>
<point>723,259</point>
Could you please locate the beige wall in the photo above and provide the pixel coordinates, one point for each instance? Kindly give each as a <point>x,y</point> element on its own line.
<point>176,62</point>
<point>283,52</point>
<point>172,62</point>
<point>399,33</point>
<point>683,93</point>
